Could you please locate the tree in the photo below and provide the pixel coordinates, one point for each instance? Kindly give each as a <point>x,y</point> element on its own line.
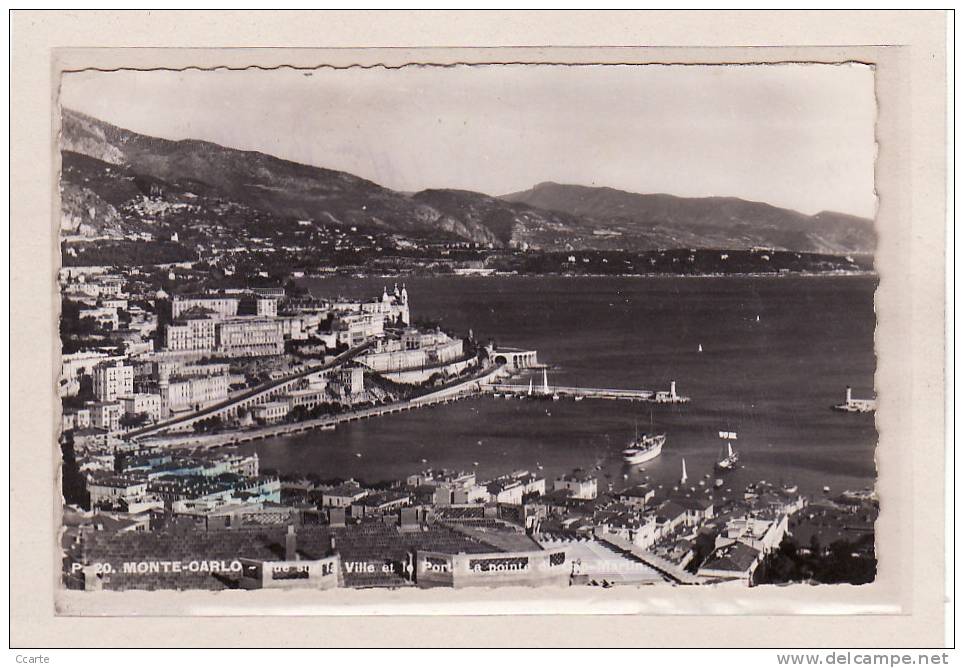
<point>211,424</point>
<point>131,420</point>
<point>297,414</point>
<point>73,482</point>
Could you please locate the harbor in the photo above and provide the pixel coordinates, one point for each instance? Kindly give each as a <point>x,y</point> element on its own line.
<point>731,377</point>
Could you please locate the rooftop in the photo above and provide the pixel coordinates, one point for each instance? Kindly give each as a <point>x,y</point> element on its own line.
<point>113,480</point>
<point>736,557</point>
<point>577,475</point>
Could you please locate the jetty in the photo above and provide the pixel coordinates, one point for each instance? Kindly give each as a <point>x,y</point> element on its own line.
<point>852,405</point>
<point>566,392</point>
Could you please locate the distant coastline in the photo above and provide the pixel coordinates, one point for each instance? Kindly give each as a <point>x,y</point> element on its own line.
<point>807,274</point>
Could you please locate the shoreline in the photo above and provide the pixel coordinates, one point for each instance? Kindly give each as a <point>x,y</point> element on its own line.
<point>800,274</point>
<point>466,389</point>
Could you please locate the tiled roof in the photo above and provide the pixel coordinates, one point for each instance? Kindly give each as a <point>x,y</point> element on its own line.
<point>694,503</point>
<point>670,510</point>
<point>736,557</point>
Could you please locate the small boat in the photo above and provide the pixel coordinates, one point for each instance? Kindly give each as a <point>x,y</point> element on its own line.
<point>699,349</point>
<point>530,387</point>
<point>826,489</point>
<point>555,397</point>
<point>718,483</point>
<point>790,489</point>
<point>578,397</point>
<point>729,460</point>
<point>358,454</point>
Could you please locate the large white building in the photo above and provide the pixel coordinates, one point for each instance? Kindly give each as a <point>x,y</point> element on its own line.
<point>195,331</point>
<point>232,337</point>
<point>249,337</point>
<point>106,415</point>
<point>142,404</point>
<point>413,350</point>
<point>581,484</point>
<point>220,306</point>
<point>191,393</point>
<point>113,380</point>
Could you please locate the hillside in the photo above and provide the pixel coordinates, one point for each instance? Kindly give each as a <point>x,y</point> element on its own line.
<point>116,182</point>
<point>291,190</point>
<point>710,222</point>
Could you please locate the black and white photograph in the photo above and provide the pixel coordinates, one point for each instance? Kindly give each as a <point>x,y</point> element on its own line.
<point>472,326</point>
<point>449,329</point>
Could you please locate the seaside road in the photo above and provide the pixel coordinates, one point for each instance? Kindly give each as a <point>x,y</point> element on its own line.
<point>266,389</point>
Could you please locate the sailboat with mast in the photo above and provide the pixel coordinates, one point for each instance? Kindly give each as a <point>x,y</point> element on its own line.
<point>546,392</point>
<point>683,478</point>
<point>729,458</point>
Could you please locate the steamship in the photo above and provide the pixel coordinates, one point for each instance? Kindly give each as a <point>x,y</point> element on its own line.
<point>643,448</point>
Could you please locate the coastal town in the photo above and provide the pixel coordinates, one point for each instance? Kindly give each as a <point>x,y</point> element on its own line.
<point>333,331</point>
<point>157,387</point>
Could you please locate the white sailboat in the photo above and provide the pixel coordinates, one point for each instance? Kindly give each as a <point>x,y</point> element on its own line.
<point>699,348</point>
<point>530,387</point>
<point>545,387</point>
<point>682,480</point>
<point>729,460</point>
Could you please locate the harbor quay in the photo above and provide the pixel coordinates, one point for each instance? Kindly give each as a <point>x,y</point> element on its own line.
<point>486,385</point>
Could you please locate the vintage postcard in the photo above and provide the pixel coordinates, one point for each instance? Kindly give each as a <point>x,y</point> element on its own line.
<point>489,325</point>
<point>330,328</point>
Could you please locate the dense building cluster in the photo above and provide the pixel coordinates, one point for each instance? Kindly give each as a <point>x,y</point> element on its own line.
<point>135,356</point>
<point>161,519</point>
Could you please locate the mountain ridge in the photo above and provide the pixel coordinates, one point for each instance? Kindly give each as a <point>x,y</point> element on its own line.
<point>548,216</point>
<point>717,217</point>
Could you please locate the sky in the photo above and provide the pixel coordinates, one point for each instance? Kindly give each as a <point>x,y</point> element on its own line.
<point>794,135</point>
